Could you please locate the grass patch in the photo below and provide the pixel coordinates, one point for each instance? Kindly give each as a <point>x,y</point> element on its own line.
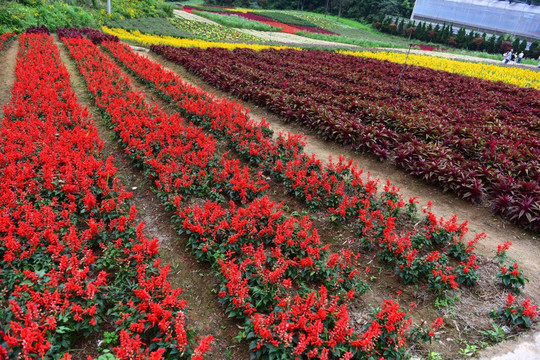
<point>235,21</point>
<point>154,26</point>
<point>345,40</point>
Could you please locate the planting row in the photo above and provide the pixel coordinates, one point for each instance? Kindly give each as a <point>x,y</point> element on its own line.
<point>73,260</point>
<point>336,187</point>
<point>148,39</point>
<point>4,39</point>
<point>288,23</point>
<point>155,26</point>
<point>275,275</point>
<point>213,32</point>
<point>476,138</point>
<point>511,75</point>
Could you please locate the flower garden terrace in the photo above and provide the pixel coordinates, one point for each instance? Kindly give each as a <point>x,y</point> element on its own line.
<point>292,291</point>
<point>476,138</point>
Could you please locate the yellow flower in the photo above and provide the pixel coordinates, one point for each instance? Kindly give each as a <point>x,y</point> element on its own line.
<point>510,75</point>
<point>147,39</point>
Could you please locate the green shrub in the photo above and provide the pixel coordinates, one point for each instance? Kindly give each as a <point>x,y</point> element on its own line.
<point>155,26</point>
<point>15,16</point>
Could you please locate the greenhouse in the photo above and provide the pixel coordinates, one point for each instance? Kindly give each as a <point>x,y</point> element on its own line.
<point>519,18</point>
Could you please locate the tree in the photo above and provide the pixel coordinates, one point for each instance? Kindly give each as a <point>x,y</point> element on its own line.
<point>478,43</point>
<point>490,44</point>
<point>505,46</point>
<point>406,8</point>
<point>515,44</point>
<point>389,7</point>
<point>461,38</point>
<point>401,27</point>
<point>498,45</point>
<point>523,45</point>
<point>534,50</point>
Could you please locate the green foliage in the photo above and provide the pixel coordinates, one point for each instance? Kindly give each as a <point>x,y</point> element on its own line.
<point>495,334</point>
<point>235,21</point>
<point>156,26</point>
<point>17,16</point>
<point>213,32</point>
<point>287,18</point>
<point>365,10</point>
<point>110,338</point>
<point>534,50</point>
<point>345,40</point>
<point>131,9</point>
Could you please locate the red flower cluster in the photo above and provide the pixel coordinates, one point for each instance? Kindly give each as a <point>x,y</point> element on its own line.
<point>179,157</point>
<point>262,255</point>
<point>514,313</point>
<point>335,186</point>
<point>426,128</point>
<point>264,258</point>
<point>4,38</point>
<point>72,256</point>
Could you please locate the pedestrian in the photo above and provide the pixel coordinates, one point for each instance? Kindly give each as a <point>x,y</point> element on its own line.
<point>520,56</point>
<point>508,56</point>
<point>539,62</point>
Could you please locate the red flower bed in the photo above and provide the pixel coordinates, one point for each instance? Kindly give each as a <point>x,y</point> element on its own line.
<point>4,39</point>
<point>96,36</point>
<point>474,137</point>
<point>257,248</point>
<point>72,258</point>
<point>177,156</point>
<point>337,187</point>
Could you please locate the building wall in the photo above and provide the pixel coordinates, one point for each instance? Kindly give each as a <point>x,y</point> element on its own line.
<point>492,16</point>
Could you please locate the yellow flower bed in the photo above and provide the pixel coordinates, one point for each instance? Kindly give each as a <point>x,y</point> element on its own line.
<point>507,74</point>
<point>246,10</point>
<point>148,39</point>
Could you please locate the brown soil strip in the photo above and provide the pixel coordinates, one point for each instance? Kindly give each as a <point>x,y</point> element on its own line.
<point>197,280</point>
<point>8,59</point>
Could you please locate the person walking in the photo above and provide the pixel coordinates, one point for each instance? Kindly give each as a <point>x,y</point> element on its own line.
<point>508,56</point>
<point>520,56</point>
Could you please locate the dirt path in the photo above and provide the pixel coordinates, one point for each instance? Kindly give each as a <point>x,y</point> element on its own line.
<point>8,58</point>
<point>197,280</point>
<point>193,17</point>
<point>526,245</point>
<point>293,39</point>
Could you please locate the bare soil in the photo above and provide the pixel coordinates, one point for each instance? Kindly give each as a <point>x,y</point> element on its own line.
<point>8,57</point>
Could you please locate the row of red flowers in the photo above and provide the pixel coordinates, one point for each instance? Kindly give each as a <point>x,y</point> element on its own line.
<point>4,39</point>
<point>261,253</point>
<point>474,137</point>
<point>72,257</point>
<point>337,187</point>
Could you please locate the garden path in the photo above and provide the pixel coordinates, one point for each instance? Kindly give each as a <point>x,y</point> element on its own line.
<point>8,58</point>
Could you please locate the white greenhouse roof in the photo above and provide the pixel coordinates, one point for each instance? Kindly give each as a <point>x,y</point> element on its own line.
<point>515,18</point>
